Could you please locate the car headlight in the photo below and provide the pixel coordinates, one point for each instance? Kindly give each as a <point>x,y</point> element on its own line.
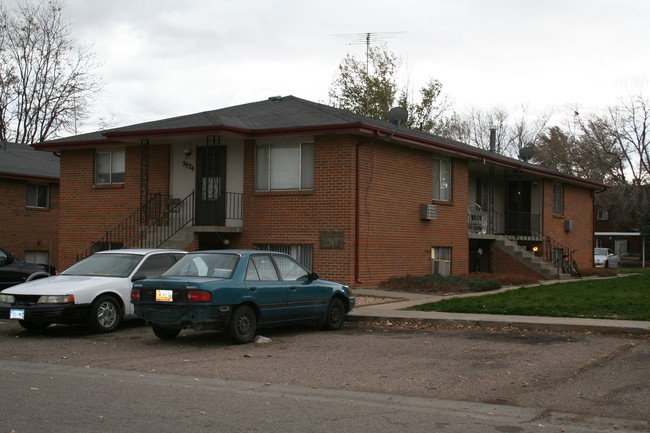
<point>7,299</point>
<point>56,299</point>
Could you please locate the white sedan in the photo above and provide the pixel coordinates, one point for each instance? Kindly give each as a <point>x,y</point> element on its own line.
<point>95,291</point>
<point>605,258</point>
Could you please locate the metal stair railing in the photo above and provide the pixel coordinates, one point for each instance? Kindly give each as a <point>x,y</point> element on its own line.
<point>149,226</point>
<point>551,251</point>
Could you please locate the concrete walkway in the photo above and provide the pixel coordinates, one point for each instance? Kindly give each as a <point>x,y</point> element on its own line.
<point>392,311</point>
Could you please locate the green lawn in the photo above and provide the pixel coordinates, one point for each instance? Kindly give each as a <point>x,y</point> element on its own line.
<point>618,298</point>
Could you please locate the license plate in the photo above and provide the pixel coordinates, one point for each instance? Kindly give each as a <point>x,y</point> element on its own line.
<point>164,295</point>
<point>17,314</point>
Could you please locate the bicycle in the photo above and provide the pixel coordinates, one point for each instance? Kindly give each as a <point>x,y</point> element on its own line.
<point>569,265</point>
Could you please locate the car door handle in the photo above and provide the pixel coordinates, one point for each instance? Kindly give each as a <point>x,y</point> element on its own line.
<point>252,289</point>
<point>292,287</point>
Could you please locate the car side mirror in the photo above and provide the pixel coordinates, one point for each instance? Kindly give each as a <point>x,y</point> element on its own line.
<point>139,276</point>
<point>8,259</point>
<point>312,276</point>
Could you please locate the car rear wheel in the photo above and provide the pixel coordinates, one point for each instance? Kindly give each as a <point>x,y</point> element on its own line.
<point>34,326</point>
<point>335,315</point>
<point>165,333</point>
<point>242,326</point>
<point>105,315</point>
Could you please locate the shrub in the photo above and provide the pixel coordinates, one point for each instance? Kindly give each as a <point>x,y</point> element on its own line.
<point>505,279</point>
<point>434,283</point>
<point>599,272</point>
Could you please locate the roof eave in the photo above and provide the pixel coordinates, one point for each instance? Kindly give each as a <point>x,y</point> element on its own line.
<point>28,177</point>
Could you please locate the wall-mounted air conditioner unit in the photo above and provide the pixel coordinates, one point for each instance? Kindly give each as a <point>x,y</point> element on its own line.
<point>569,225</point>
<point>428,212</point>
<point>442,267</point>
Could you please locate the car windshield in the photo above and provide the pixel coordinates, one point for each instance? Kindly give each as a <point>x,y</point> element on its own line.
<point>600,251</point>
<point>217,265</point>
<point>105,265</point>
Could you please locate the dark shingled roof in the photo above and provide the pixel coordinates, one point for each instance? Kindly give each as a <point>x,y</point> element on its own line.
<point>21,160</point>
<point>282,115</point>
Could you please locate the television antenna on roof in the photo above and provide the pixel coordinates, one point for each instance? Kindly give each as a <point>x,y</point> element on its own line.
<point>367,38</point>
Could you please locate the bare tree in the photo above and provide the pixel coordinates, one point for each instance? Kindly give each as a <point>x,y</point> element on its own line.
<point>629,124</point>
<point>46,81</point>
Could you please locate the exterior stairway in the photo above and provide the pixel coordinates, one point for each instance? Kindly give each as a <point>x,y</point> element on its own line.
<point>180,240</point>
<point>539,265</point>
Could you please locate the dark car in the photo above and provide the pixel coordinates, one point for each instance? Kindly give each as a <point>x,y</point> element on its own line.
<point>239,291</point>
<point>14,271</point>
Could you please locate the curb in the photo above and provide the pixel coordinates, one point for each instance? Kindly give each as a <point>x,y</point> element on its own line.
<point>535,323</point>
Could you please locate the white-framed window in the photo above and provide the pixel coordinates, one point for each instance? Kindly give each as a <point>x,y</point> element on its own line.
<point>284,166</point>
<point>558,199</point>
<point>441,179</point>
<point>109,166</point>
<point>602,214</point>
<point>441,253</point>
<point>441,260</point>
<point>303,254</point>
<point>38,195</point>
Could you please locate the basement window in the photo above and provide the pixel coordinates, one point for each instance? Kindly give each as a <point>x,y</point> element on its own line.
<point>303,254</point>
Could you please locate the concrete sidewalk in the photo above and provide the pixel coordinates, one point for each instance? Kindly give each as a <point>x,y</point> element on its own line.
<point>392,311</point>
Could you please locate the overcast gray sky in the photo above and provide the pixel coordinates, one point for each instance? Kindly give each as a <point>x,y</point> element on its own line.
<point>162,58</point>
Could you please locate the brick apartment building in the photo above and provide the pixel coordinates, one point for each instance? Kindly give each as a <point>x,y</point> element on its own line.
<point>356,199</point>
<point>29,203</point>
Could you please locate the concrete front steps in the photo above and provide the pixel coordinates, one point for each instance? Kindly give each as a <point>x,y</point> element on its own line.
<point>537,264</point>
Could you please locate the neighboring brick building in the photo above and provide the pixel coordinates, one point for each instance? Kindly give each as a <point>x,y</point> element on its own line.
<point>29,203</point>
<point>356,199</point>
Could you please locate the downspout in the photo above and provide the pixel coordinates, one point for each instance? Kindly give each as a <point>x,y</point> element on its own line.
<point>357,210</point>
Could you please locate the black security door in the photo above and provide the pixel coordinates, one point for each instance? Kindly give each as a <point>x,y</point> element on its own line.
<point>210,200</point>
<point>518,216</point>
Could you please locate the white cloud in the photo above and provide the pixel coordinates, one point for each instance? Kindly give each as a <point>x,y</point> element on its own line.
<point>164,58</point>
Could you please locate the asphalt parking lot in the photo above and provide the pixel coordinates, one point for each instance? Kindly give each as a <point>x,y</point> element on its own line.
<point>583,373</point>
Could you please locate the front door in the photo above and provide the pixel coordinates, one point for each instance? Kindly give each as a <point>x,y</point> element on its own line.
<point>210,200</point>
<point>518,215</point>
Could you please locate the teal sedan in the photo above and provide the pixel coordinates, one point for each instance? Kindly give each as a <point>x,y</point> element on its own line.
<point>239,291</point>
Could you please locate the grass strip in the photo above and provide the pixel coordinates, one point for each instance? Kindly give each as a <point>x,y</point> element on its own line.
<point>625,298</point>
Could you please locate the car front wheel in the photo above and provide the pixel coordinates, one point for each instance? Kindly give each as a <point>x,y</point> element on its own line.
<point>105,315</point>
<point>242,325</point>
<point>335,315</point>
<point>165,333</point>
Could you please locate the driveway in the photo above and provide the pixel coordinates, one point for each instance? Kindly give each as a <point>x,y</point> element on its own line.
<point>580,373</point>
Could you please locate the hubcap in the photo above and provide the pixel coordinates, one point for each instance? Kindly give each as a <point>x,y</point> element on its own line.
<point>106,314</point>
<point>244,324</point>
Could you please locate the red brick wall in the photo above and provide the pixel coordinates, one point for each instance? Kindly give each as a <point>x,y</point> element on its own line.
<point>89,210</point>
<point>26,228</point>
<point>396,181</point>
<point>504,263</point>
<point>579,207</point>
<point>393,240</point>
<point>297,217</point>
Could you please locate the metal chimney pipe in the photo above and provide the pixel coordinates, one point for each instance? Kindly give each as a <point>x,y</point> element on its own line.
<point>493,139</point>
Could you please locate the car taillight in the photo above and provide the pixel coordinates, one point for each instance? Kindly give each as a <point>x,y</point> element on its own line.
<point>199,296</point>
<point>135,295</point>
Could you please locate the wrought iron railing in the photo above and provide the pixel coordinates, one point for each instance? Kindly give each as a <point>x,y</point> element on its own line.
<point>520,227</point>
<point>155,222</point>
